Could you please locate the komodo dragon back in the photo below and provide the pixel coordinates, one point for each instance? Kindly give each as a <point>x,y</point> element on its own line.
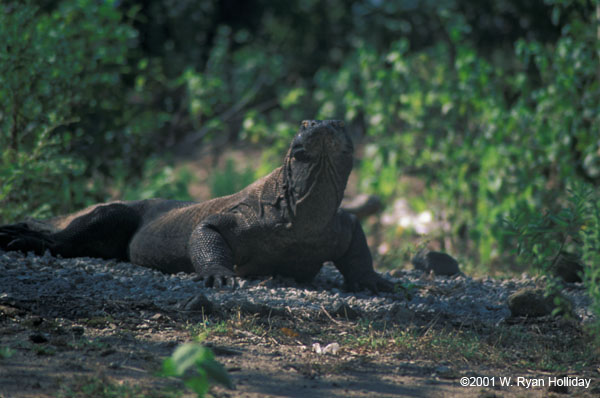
<point>287,223</point>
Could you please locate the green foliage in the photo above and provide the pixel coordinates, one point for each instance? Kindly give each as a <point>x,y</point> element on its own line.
<point>39,182</point>
<point>49,66</point>
<point>486,137</point>
<point>542,237</point>
<point>101,387</point>
<point>6,352</point>
<point>194,356</point>
<point>590,235</point>
<point>229,180</point>
<point>157,181</point>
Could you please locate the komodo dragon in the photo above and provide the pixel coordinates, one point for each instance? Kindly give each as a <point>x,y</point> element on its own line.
<point>287,223</point>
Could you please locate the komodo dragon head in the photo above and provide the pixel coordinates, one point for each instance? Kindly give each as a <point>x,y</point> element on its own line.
<point>316,169</point>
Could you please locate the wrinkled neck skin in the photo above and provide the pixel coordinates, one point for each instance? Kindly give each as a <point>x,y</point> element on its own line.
<point>313,192</point>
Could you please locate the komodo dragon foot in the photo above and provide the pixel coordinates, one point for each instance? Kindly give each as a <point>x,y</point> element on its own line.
<point>19,237</point>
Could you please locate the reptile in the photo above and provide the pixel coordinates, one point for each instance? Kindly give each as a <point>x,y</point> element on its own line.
<point>288,223</point>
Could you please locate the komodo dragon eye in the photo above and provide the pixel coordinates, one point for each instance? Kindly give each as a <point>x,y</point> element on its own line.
<point>300,155</point>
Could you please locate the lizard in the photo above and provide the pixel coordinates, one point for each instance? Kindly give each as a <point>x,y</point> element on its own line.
<point>287,223</point>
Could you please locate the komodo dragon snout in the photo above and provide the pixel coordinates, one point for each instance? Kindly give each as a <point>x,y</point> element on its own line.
<point>287,223</point>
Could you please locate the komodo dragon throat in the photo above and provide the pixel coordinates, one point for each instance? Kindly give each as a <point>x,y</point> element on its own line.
<point>288,223</point>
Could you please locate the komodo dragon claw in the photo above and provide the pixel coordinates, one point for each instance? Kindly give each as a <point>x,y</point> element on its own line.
<point>373,282</point>
<point>19,237</point>
<point>219,282</point>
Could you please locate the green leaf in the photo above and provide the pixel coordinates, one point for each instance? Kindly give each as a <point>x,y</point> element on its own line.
<point>199,385</point>
<point>216,372</point>
<point>186,356</point>
<point>168,368</point>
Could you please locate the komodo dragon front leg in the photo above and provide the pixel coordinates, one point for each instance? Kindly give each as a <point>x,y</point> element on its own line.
<point>355,262</point>
<point>210,253</point>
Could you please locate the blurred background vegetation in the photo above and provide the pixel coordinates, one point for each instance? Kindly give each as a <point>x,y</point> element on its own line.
<point>485,114</point>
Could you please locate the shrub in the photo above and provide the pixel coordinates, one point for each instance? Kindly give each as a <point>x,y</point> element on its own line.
<point>50,65</point>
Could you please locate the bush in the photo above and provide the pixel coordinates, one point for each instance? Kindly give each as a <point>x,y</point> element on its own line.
<point>158,180</point>
<point>487,138</point>
<point>50,65</point>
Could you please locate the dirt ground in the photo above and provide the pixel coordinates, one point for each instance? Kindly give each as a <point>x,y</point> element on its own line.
<point>46,355</point>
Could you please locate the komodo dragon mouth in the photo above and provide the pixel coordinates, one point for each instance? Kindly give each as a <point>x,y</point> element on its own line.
<point>286,223</point>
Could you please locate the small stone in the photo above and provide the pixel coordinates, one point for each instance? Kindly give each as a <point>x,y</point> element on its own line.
<point>530,302</point>
<point>223,351</point>
<point>437,262</point>
<point>444,372</point>
<point>143,326</point>
<point>78,330</point>
<point>343,310</point>
<point>399,312</point>
<point>199,303</point>
<point>262,309</point>
<point>11,311</point>
<point>567,267</point>
<point>107,352</point>
<point>38,338</point>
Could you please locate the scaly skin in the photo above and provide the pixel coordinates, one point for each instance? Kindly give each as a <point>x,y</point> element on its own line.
<point>288,223</point>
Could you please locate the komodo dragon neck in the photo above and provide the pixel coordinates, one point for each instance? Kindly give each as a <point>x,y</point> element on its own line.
<point>310,188</point>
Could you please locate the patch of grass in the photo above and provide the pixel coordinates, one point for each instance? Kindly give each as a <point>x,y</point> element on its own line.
<point>227,327</point>
<point>101,387</point>
<point>88,344</point>
<point>208,327</point>
<point>43,349</point>
<point>550,345</point>
<point>6,352</point>
<point>556,347</point>
<point>535,347</point>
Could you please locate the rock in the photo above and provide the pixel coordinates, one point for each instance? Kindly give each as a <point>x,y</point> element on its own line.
<point>78,330</point>
<point>345,311</point>
<point>222,350</point>
<point>199,303</point>
<point>532,302</point>
<point>567,267</point>
<point>35,320</point>
<point>38,338</point>
<point>157,317</point>
<point>10,311</point>
<point>445,372</point>
<point>437,262</point>
<point>262,309</point>
<point>399,313</point>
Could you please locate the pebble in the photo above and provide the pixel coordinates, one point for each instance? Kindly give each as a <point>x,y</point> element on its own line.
<point>97,284</point>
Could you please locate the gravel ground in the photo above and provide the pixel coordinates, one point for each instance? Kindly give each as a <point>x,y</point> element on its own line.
<point>87,286</point>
